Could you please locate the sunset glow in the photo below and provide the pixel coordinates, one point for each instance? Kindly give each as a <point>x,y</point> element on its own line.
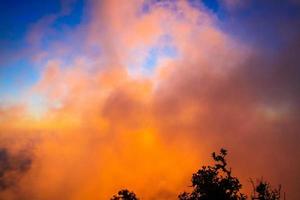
<point>112,94</point>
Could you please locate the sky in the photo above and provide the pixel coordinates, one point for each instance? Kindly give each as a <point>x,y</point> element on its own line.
<point>96,96</point>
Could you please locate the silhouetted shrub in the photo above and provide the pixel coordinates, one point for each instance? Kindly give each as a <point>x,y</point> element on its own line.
<point>124,195</point>
<point>217,183</point>
<point>214,182</point>
<point>263,191</point>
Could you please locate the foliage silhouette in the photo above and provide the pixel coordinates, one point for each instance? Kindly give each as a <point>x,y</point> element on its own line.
<point>217,183</point>
<point>214,182</point>
<point>124,195</point>
<point>263,191</point>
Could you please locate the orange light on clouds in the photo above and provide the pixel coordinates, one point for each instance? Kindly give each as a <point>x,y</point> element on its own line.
<point>97,127</point>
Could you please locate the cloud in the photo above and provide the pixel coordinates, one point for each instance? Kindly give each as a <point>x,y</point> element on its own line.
<point>104,129</point>
<point>14,165</point>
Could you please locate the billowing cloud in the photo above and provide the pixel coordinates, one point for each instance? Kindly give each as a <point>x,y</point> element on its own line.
<point>105,121</point>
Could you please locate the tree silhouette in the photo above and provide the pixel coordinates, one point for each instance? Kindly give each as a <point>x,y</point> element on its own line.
<point>215,182</point>
<point>263,191</point>
<point>124,195</point>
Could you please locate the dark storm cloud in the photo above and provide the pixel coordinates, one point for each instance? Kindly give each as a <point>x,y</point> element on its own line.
<point>13,166</point>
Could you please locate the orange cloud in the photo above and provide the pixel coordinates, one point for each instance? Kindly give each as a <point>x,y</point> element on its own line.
<point>104,129</point>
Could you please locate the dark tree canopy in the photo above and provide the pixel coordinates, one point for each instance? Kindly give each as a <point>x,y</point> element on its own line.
<point>215,182</point>
<point>263,191</point>
<point>124,195</point>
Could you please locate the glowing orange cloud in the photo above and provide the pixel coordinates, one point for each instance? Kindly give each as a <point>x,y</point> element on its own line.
<point>104,128</point>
